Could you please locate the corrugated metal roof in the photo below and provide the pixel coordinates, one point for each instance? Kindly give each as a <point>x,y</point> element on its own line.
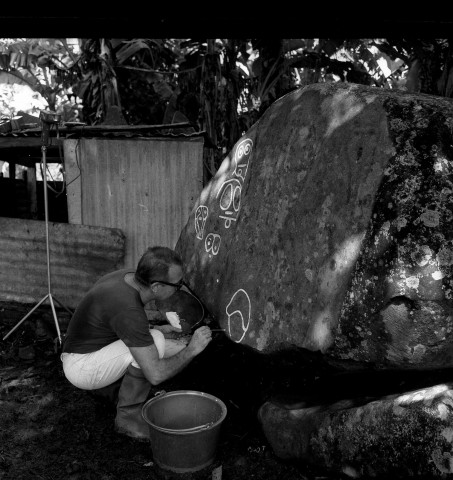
<point>79,256</point>
<point>165,130</point>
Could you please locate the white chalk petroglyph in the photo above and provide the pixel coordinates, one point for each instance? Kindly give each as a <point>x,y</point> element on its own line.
<point>238,311</point>
<point>201,214</point>
<point>230,200</point>
<point>241,165</point>
<point>230,191</point>
<point>212,243</point>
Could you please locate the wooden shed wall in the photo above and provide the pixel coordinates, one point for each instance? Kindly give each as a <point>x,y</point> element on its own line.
<point>145,187</point>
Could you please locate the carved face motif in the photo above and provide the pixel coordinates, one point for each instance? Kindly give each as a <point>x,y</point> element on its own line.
<point>230,200</point>
<point>201,214</point>
<point>212,243</point>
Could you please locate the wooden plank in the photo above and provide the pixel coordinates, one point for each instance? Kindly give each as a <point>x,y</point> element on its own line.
<point>73,170</point>
<point>38,159</point>
<point>12,170</point>
<point>22,142</point>
<point>123,128</point>
<point>31,192</point>
<point>30,161</point>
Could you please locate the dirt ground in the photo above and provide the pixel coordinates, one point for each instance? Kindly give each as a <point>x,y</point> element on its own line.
<point>51,430</point>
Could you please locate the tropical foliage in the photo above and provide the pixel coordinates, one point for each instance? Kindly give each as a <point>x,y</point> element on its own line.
<point>220,86</point>
<point>48,66</point>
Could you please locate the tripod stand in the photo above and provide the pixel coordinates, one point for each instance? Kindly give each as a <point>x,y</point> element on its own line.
<point>47,119</point>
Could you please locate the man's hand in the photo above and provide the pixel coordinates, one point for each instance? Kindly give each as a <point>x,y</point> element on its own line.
<point>157,370</point>
<point>200,339</point>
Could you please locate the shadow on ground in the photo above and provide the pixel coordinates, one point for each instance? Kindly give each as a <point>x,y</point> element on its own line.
<point>51,430</point>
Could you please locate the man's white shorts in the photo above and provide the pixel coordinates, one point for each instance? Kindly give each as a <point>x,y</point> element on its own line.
<point>90,371</point>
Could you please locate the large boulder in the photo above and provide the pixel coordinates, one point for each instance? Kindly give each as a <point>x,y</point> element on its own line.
<point>398,436</point>
<point>329,227</point>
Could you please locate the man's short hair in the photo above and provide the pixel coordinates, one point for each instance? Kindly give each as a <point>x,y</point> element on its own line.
<point>154,265</point>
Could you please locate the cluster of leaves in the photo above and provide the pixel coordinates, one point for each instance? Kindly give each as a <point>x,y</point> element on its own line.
<point>221,86</point>
<point>48,66</point>
<point>429,61</point>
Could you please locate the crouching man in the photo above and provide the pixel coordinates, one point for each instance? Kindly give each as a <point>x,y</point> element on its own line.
<point>108,337</point>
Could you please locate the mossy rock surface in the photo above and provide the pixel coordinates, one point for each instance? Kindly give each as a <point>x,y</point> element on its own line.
<point>397,436</point>
<point>329,227</point>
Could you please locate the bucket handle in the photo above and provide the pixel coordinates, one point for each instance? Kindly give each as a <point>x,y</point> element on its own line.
<point>159,393</point>
<point>197,428</point>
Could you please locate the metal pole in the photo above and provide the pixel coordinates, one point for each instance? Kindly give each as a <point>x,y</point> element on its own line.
<point>52,306</point>
<point>46,214</point>
<point>47,118</point>
<point>26,316</point>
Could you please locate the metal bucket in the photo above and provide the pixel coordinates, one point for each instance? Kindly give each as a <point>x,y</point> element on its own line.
<point>184,428</point>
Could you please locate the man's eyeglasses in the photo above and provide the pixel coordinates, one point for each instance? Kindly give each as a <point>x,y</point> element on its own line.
<point>178,285</point>
<point>181,284</point>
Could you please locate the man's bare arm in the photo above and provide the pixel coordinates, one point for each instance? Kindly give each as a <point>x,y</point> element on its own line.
<point>169,331</point>
<point>158,370</point>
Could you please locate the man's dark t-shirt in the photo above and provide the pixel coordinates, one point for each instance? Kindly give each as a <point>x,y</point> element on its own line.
<point>111,310</point>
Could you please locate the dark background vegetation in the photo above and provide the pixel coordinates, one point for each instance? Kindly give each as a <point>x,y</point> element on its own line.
<point>222,86</point>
